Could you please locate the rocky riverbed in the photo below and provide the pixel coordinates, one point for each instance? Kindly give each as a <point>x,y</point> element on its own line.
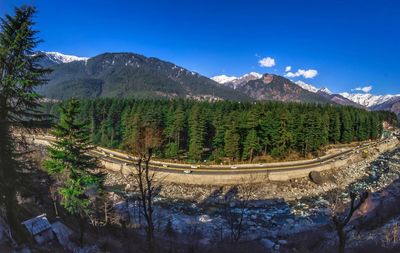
<point>275,209</point>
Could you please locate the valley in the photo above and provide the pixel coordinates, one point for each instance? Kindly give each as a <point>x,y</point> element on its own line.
<point>199,127</point>
<point>275,215</point>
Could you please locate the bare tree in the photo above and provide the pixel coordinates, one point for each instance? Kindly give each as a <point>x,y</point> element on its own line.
<point>340,220</point>
<point>148,189</point>
<point>243,194</point>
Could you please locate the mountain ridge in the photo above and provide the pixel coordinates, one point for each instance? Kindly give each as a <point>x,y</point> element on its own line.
<point>133,75</point>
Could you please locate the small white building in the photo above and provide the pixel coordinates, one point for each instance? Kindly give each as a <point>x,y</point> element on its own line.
<point>40,229</point>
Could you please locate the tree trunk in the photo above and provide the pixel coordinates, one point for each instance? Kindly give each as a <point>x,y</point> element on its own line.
<point>150,237</point>
<point>342,240</point>
<point>81,230</point>
<point>8,178</point>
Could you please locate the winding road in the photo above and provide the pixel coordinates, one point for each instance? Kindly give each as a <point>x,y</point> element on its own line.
<point>117,157</point>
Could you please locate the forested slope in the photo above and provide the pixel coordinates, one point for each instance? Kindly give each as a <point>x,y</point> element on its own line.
<point>128,75</point>
<point>238,131</point>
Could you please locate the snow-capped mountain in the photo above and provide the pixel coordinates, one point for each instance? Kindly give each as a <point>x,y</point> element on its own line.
<point>326,90</point>
<point>236,82</point>
<point>312,88</point>
<point>363,99</point>
<point>392,105</point>
<point>306,86</point>
<point>326,93</point>
<point>367,99</point>
<point>222,79</point>
<point>59,58</point>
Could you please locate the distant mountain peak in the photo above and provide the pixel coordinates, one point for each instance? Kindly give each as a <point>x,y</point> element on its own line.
<point>326,90</point>
<point>252,74</point>
<point>222,79</point>
<point>367,99</point>
<point>236,82</point>
<point>307,86</point>
<point>59,58</point>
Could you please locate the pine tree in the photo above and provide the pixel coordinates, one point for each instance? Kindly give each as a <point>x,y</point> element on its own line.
<point>196,133</point>
<point>346,127</point>
<point>334,127</point>
<point>219,134</point>
<point>232,141</point>
<point>179,125</point>
<point>19,103</point>
<point>268,130</point>
<point>251,145</point>
<point>284,137</point>
<point>70,163</point>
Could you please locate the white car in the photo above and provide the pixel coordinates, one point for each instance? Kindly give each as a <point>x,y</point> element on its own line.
<point>233,167</point>
<point>165,165</point>
<point>187,171</point>
<point>193,166</point>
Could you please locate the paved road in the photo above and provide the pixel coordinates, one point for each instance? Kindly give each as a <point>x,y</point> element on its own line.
<point>121,158</point>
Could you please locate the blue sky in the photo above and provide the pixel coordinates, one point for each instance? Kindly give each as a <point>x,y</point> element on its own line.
<point>350,43</point>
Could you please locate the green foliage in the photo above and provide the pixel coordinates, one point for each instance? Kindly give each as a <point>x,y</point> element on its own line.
<point>20,77</point>
<point>172,150</point>
<point>251,145</point>
<point>73,197</point>
<point>233,130</point>
<point>69,161</point>
<point>196,133</point>
<point>232,142</point>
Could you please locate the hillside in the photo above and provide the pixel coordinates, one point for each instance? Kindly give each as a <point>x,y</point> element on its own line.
<point>131,75</point>
<point>338,99</point>
<point>273,87</point>
<point>392,105</point>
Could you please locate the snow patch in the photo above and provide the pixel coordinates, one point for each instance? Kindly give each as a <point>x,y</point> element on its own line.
<point>63,58</point>
<point>326,90</point>
<point>223,79</point>
<point>367,99</point>
<point>306,86</point>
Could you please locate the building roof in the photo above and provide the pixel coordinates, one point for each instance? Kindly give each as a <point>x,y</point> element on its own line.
<point>37,225</point>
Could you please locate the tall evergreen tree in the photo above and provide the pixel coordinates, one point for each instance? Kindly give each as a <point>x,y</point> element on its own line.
<point>334,127</point>
<point>19,103</point>
<point>70,163</point>
<point>283,137</point>
<point>232,142</point>
<point>346,126</point>
<point>196,133</point>
<point>251,145</point>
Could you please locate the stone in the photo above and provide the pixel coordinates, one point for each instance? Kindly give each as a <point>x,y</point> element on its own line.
<point>317,178</point>
<point>268,244</point>
<point>205,218</point>
<point>283,242</point>
<point>289,221</point>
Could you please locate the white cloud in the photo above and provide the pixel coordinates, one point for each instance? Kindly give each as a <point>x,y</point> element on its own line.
<point>310,73</point>
<point>288,68</point>
<point>365,89</point>
<point>267,62</point>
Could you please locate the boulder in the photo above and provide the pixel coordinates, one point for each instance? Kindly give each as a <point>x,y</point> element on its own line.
<point>267,243</point>
<point>317,178</point>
